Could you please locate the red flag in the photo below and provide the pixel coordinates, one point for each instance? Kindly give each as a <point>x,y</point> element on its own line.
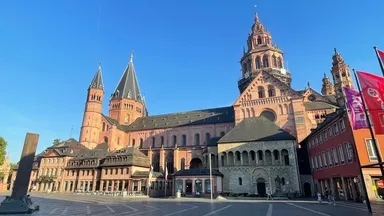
<point>381,54</point>
<point>372,88</point>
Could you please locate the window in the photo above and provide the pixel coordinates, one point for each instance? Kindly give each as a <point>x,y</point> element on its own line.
<point>349,151</point>
<point>162,140</point>
<point>312,165</point>
<point>222,133</point>
<point>320,162</point>
<point>324,159</point>
<point>316,165</point>
<point>316,140</point>
<point>341,153</point>
<point>342,125</point>
<point>133,142</point>
<point>335,158</point>
<point>299,120</point>
<point>141,142</point>
<point>240,181</point>
<point>174,140</point>
<point>329,157</point>
<point>330,132</point>
<point>325,135</point>
<point>197,139</point>
<point>153,142</point>
<point>336,129</point>
<point>207,138</point>
<point>371,150</point>
<point>184,140</point>
<point>321,138</point>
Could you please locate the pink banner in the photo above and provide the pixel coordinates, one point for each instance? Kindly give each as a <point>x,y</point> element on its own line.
<point>356,109</point>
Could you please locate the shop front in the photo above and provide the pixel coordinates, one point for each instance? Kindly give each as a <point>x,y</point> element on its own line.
<point>197,182</point>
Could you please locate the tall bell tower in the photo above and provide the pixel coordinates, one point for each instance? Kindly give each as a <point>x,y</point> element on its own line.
<point>327,88</point>
<point>341,77</point>
<point>90,129</point>
<point>261,55</point>
<point>126,103</point>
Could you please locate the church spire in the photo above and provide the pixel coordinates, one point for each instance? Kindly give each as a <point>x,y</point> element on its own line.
<point>97,81</point>
<point>128,86</point>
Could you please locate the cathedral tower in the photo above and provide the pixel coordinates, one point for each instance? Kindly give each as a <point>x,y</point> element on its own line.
<point>261,55</point>
<point>327,88</point>
<point>90,128</point>
<point>341,77</point>
<point>126,103</point>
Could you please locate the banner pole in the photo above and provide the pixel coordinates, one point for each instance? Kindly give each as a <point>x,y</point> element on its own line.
<point>376,149</point>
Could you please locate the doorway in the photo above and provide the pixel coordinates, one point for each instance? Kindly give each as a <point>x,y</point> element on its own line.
<point>188,187</point>
<point>307,190</point>
<point>261,189</point>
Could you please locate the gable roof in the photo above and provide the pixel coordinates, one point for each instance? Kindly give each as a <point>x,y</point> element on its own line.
<point>318,105</point>
<point>254,78</point>
<point>197,117</point>
<point>256,129</point>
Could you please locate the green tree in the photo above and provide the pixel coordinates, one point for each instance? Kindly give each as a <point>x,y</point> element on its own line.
<point>56,142</point>
<point>3,152</point>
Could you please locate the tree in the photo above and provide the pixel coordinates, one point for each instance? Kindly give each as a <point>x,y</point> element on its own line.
<point>3,152</point>
<point>56,141</point>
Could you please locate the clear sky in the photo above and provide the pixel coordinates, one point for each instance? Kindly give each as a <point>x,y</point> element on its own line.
<point>186,53</point>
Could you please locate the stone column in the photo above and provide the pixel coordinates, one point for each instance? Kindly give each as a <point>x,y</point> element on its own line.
<point>94,185</point>
<point>113,186</point>
<point>25,166</point>
<point>344,189</point>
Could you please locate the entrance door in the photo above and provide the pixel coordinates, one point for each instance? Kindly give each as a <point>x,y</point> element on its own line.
<point>261,189</point>
<point>307,189</point>
<point>188,187</point>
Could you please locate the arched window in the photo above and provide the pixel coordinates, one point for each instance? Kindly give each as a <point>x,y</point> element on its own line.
<point>265,61</point>
<point>222,133</point>
<point>267,40</point>
<point>103,126</point>
<point>279,63</point>
<point>106,140</point>
<point>153,142</point>
<point>248,113</point>
<point>207,138</point>
<point>197,139</point>
<point>240,181</point>
<point>162,140</point>
<point>274,61</point>
<point>133,142</point>
<point>258,62</point>
<point>286,108</point>
<point>184,140</point>
<point>259,40</point>
<point>141,142</point>
<point>271,91</point>
<point>174,140</point>
<point>261,92</point>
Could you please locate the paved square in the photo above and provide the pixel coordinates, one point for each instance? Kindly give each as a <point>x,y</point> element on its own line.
<point>65,204</point>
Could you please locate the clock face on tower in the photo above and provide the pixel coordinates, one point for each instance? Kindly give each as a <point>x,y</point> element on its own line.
<point>312,97</point>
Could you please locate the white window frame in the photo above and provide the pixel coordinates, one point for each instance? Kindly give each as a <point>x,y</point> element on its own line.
<point>349,151</point>
<point>316,165</point>
<point>341,153</point>
<point>342,125</point>
<point>324,159</point>
<point>312,165</point>
<point>373,156</point>
<point>335,156</point>
<point>320,162</point>
<point>336,129</point>
<point>329,154</point>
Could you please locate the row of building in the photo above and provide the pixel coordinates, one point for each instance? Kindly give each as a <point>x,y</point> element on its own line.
<point>272,140</point>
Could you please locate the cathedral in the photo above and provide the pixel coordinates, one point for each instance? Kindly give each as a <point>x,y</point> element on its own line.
<point>251,145</point>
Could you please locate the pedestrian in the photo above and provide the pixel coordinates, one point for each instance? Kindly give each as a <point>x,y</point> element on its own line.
<point>326,194</point>
<point>319,197</point>
<point>331,198</point>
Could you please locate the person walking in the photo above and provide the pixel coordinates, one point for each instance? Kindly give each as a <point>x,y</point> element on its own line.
<point>319,197</point>
<point>331,198</point>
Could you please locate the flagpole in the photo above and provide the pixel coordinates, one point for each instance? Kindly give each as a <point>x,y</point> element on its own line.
<point>210,175</point>
<point>166,178</point>
<point>376,149</point>
<point>379,59</point>
<point>358,161</point>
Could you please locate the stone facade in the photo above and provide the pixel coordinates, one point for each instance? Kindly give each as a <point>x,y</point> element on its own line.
<point>252,166</point>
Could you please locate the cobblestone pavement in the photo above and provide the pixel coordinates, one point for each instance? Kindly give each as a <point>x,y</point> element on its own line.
<point>65,204</point>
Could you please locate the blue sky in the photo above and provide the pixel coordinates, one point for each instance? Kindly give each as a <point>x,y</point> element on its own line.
<point>186,53</point>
